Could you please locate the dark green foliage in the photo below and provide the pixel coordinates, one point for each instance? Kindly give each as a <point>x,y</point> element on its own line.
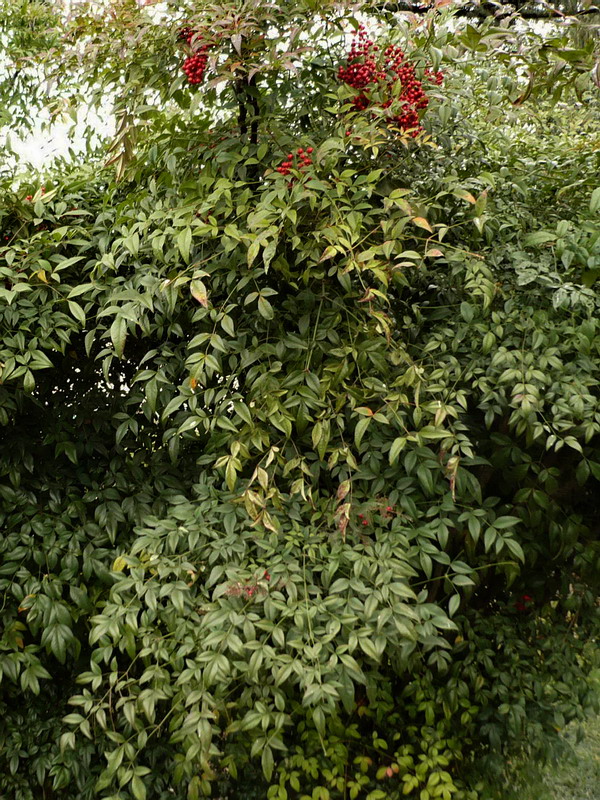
<point>573,777</point>
<point>299,473</point>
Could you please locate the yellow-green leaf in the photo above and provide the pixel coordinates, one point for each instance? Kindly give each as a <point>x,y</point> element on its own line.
<point>199,292</point>
<point>421,222</point>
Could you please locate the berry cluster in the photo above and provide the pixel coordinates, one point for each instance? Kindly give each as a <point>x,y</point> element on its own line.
<point>30,196</point>
<point>185,34</point>
<point>303,160</point>
<point>524,603</point>
<point>435,77</point>
<point>366,70</point>
<point>195,66</point>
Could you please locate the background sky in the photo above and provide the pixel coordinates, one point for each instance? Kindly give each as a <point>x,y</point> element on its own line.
<point>38,150</point>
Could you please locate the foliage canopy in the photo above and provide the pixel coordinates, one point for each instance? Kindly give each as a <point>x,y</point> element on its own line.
<point>299,466</point>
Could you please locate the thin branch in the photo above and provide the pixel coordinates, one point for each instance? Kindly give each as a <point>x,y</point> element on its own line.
<point>491,9</point>
<point>242,113</point>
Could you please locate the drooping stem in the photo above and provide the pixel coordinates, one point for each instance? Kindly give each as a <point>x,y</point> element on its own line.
<point>255,109</point>
<point>242,112</point>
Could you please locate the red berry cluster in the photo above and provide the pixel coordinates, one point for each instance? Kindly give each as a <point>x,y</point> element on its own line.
<point>524,603</point>
<point>195,66</point>
<point>185,34</point>
<point>435,77</point>
<point>386,512</point>
<point>30,196</point>
<point>303,160</point>
<point>365,70</point>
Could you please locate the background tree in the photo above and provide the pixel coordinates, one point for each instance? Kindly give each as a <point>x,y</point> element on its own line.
<point>300,405</point>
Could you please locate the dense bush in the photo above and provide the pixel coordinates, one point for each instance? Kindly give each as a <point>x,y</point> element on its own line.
<point>300,464</point>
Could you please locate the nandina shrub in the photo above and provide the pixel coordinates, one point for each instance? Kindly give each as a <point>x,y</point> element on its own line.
<point>299,462</point>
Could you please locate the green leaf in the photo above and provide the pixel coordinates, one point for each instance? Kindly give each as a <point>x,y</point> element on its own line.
<point>193,791</point>
<point>369,648</point>
<point>81,289</point>
<point>474,526</point>
<point>114,759</point>
<point>539,237</point>
<point>265,309</point>
<point>515,548</point>
<point>490,536</point>
<point>77,311</point>
<point>118,334</point>
<point>425,477</point>
<point>502,523</point>
<point>462,580</point>
<point>397,446</point>
<point>467,312</point>
<point>269,253</point>
<point>138,788</point>
<point>361,426</point>
<point>453,604</point>
<point>488,342</point>
<point>444,623</point>
<point>267,762</point>
<point>253,251</point>
<point>184,243</point>
<point>317,433</point>
<point>572,442</point>
<point>319,720</point>
<point>227,325</point>
<point>231,474</point>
